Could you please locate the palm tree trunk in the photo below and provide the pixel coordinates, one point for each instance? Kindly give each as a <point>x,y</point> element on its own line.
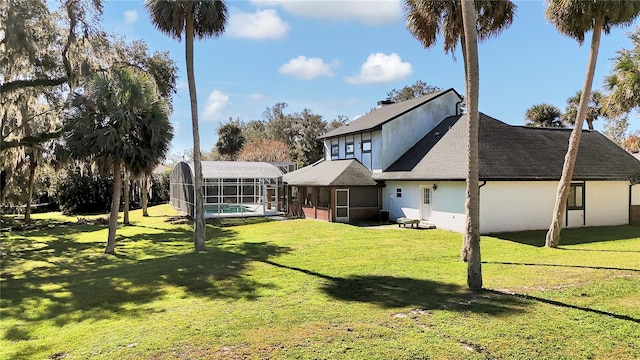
<point>553,235</point>
<point>115,206</point>
<point>464,252</point>
<point>33,163</point>
<point>127,191</point>
<point>145,194</point>
<point>200,230</point>
<point>472,202</point>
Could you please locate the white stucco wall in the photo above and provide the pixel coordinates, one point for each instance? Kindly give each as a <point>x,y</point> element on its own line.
<point>406,206</point>
<point>400,134</point>
<point>607,203</point>
<point>528,205</point>
<point>509,205</point>
<point>516,205</point>
<point>447,210</point>
<point>447,202</point>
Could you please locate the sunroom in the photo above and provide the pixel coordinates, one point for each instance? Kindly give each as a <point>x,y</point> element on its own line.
<point>334,191</point>
<point>230,188</point>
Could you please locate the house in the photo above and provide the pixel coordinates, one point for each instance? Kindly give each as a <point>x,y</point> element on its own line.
<point>415,151</point>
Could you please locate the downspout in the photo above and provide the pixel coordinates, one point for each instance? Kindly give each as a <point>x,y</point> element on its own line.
<point>630,191</point>
<point>584,205</point>
<point>484,182</point>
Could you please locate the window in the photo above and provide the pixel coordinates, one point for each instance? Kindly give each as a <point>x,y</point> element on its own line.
<point>335,150</point>
<point>324,196</point>
<point>398,192</point>
<point>363,196</point>
<point>366,146</point>
<point>349,148</point>
<point>575,201</point>
<point>427,196</point>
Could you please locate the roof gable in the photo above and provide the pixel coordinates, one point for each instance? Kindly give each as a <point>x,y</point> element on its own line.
<point>376,118</point>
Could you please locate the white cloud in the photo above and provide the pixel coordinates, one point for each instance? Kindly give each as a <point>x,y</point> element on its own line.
<point>216,103</point>
<point>130,17</point>
<point>381,68</point>
<point>366,11</point>
<point>261,25</point>
<point>257,96</point>
<point>303,68</point>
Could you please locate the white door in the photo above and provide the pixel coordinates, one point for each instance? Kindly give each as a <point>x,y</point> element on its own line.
<point>342,205</point>
<point>426,203</point>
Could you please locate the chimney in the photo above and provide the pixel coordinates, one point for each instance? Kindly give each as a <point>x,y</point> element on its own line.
<point>383,103</point>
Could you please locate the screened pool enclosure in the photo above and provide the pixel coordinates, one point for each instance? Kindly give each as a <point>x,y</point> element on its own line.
<point>231,188</point>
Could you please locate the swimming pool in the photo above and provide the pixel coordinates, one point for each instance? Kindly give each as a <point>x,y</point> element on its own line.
<point>225,209</point>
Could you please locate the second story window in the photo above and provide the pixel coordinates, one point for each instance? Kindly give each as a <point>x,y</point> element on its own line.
<point>366,146</point>
<point>349,148</point>
<point>335,149</point>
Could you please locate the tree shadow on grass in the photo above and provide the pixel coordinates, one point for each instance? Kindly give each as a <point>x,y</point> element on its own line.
<point>566,305</point>
<point>562,265</point>
<point>71,281</point>
<point>402,292</point>
<point>574,236</point>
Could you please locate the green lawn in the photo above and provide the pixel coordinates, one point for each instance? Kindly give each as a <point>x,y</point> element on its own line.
<point>303,289</point>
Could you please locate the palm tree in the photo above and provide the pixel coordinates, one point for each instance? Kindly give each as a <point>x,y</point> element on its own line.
<point>201,19</point>
<point>543,115</point>
<point>573,18</point>
<point>594,108</point>
<point>119,122</point>
<point>459,20</point>
<point>472,201</point>
<point>426,19</point>
<point>230,139</point>
<point>624,81</point>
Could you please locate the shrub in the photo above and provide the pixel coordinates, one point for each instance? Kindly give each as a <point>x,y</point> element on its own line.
<point>83,192</point>
<point>79,191</point>
<point>159,189</point>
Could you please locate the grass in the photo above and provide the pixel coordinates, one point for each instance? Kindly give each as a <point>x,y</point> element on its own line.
<point>303,289</point>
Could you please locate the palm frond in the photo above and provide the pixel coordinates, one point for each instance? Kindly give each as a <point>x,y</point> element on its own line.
<point>209,17</point>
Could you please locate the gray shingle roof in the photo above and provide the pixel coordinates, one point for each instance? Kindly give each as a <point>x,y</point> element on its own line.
<point>375,119</point>
<point>348,172</point>
<point>510,153</point>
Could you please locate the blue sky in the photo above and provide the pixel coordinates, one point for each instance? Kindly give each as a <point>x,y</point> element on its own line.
<point>341,57</point>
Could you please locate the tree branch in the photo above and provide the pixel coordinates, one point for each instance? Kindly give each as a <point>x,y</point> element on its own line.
<point>26,122</point>
<point>21,84</point>
<point>31,141</point>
